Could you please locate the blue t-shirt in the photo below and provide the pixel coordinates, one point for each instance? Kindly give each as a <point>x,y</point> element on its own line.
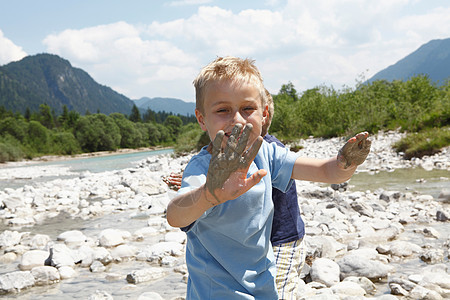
<point>228,251</point>
<point>287,224</point>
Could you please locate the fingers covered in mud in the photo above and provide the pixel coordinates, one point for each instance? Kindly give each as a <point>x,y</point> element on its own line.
<point>355,151</point>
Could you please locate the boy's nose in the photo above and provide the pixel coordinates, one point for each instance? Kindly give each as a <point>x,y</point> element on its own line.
<point>238,118</point>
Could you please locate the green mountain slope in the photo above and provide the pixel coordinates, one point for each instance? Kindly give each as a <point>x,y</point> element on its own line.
<point>47,78</point>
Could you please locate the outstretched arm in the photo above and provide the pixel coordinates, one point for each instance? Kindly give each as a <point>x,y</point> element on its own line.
<point>226,178</point>
<point>337,169</point>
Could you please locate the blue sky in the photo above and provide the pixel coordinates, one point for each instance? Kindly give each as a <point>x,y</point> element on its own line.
<point>153,48</point>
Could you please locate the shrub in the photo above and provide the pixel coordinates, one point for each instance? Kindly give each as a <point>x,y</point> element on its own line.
<point>97,132</point>
<point>189,139</point>
<point>64,143</point>
<point>423,143</point>
<point>37,138</point>
<point>10,149</point>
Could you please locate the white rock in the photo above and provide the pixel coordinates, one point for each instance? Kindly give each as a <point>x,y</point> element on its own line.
<point>142,233</point>
<point>326,271</point>
<point>175,236</point>
<point>39,241</point>
<point>169,261</point>
<point>61,255</point>
<point>8,258</point>
<point>348,288</point>
<point>97,267</point>
<point>144,275</point>
<point>112,237</point>
<point>45,275</point>
<point>103,255</point>
<point>159,250</point>
<point>15,281</point>
<point>123,252</point>
<point>66,272</point>
<point>150,296</point>
<point>9,238</point>
<point>72,237</point>
<point>368,286</point>
<point>33,258</point>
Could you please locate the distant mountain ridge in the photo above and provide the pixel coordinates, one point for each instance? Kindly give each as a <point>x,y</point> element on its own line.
<point>432,59</point>
<point>50,79</point>
<point>175,106</point>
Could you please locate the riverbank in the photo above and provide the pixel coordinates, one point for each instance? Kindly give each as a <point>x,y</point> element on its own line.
<point>49,158</point>
<point>104,235</point>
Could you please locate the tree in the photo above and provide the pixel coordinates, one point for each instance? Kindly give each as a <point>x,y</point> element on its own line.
<point>46,116</point>
<point>173,123</point>
<point>149,116</point>
<point>27,114</point>
<point>130,135</point>
<point>17,128</point>
<point>289,90</point>
<point>37,137</point>
<point>135,114</point>
<point>97,132</point>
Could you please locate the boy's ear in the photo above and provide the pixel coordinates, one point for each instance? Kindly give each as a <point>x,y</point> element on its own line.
<point>200,119</point>
<point>265,115</point>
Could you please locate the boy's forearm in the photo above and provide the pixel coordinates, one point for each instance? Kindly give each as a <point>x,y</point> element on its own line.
<point>321,170</point>
<point>184,209</point>
<point>336,173</point>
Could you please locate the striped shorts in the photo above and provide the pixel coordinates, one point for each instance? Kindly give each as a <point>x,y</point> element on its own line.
<point>289,259</point>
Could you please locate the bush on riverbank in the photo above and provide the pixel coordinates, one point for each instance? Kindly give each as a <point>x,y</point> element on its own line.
<point>419,144</point>
<point>10,149</point>
<point>42,133</point>
<point>416,105</point>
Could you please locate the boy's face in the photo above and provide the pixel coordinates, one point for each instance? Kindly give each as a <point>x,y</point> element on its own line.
<point>226,105</point>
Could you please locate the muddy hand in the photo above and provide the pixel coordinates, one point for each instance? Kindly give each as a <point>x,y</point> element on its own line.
<point>227,174</point>
<point>355,151</point>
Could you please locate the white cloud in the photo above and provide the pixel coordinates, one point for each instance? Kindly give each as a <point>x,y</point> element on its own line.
<point>117,55</point>
<point>9,51</point>
<point>306,42</point>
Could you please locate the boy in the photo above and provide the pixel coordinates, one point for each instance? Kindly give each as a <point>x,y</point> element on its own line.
<point>288,228</point>
<point>225,193</point>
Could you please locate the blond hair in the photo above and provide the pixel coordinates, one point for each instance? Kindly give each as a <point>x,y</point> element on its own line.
<point>237,70</point>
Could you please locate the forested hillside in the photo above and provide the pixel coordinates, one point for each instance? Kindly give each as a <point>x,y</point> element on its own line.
<point>49,79</point>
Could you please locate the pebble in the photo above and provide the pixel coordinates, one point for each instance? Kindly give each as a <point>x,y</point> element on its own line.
<point>354,239</point>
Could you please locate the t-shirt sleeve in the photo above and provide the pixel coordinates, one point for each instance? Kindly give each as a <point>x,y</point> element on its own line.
<point>281,161</point>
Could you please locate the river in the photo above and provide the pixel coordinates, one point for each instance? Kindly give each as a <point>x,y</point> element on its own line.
<point>74,166</point>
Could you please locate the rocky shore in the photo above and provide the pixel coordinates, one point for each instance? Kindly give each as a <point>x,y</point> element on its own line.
<point>113,241</point>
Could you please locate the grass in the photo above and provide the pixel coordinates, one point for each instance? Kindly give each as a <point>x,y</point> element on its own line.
<point>426,142</point>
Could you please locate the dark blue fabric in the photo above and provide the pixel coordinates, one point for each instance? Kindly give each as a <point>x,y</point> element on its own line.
<point>287,224</point>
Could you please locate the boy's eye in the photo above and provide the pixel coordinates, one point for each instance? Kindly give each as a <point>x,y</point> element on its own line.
<point>249,108</point>
<point>221,110</point>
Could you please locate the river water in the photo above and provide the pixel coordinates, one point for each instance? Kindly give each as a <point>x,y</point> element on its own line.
<point>86,283</point>
<point>75,166</point>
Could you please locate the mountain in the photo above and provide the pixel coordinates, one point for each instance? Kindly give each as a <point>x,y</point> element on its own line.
<point>432,59</point>
<point>175,106</point>
<point>50,79</point>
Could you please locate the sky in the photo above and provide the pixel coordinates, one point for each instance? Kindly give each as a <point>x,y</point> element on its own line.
<point>154,48</point>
